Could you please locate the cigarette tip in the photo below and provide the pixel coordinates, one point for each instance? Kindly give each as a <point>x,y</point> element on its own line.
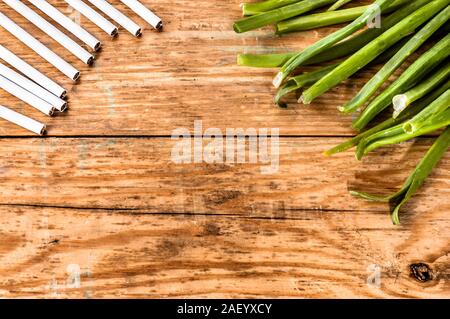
<point>159,27</point>
<point>43,131</point>
<point>114,32</point>
<point>138,33</point>
<point>97,46</point>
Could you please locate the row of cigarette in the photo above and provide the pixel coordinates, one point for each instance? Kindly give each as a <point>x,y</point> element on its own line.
<point>33,87</point>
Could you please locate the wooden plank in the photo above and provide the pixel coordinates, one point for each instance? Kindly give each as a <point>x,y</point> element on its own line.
<point>152,85</point>
<point>57,253</point>
<point>138,174</point>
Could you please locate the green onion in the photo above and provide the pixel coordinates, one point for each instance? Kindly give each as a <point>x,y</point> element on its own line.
<point>441,104</point>
<point>327,18</point>
<point>321,45</point>
<point>249,9</point>
<point>297,82</point>
<point>339,50</point>
<point>388,69</point>
<point>264,60</point>
<point>402,101</point>
<point>361,58</point>
<point>396,134</point>
<point>276,15</point>
<point>415,108</point>
<point>416,179</point>
<point>427,61</point>
<point>339,4</point>
<point>318,20</point>
<point>359,40</point>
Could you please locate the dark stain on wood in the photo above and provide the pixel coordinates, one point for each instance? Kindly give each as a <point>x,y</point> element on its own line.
<point>421,272</point>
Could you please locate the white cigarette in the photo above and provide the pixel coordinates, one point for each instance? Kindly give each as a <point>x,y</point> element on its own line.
<point>93,16</point>
<point>22,120</point>
<point>38,47</point>
<point>31,72</point>
<point>68,24</point>
<point>144,13</point>
<point>26,96</point>
<point>32,87</point>
<point>117,16</point>
<point>51,31</point>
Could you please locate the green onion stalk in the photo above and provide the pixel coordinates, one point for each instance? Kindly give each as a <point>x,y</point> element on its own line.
<point>249,9</point>
<point>402,101</point>
<point>414,109</point>
<point>361,58</point>
<point>342,49</point>
<point>441,104</point>
<point>397,134</point>
<point>264,60</point>
<point>276,15</point>
<point>407,79</point>
<point>338,4</point>
<point>415,180</point>
<point>325,43</point>
<point>297,82</point>
<point>324,19</point>
<point>303,80</point>
<point>393,64</point>
<point>319,20</point>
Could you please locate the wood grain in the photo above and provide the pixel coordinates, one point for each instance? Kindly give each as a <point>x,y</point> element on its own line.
<point>113,217</point>
<point>59,253</point>
<point>100,209</point>
<point>152,85</point>
<point>139,174</point>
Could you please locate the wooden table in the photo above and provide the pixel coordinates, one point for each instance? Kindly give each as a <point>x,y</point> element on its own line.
<point>99,209</point>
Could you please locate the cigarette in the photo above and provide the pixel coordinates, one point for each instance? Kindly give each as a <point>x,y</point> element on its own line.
<point>38,47</point>
<point>32,87</point>
<point>68,24</point>
<point>22,120</point>
<point>93,16</point>
<point>51,31</point>
<point>144,13</point>
<point>26,96</point>
<point>31,72</point>
<point>117,16</point>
